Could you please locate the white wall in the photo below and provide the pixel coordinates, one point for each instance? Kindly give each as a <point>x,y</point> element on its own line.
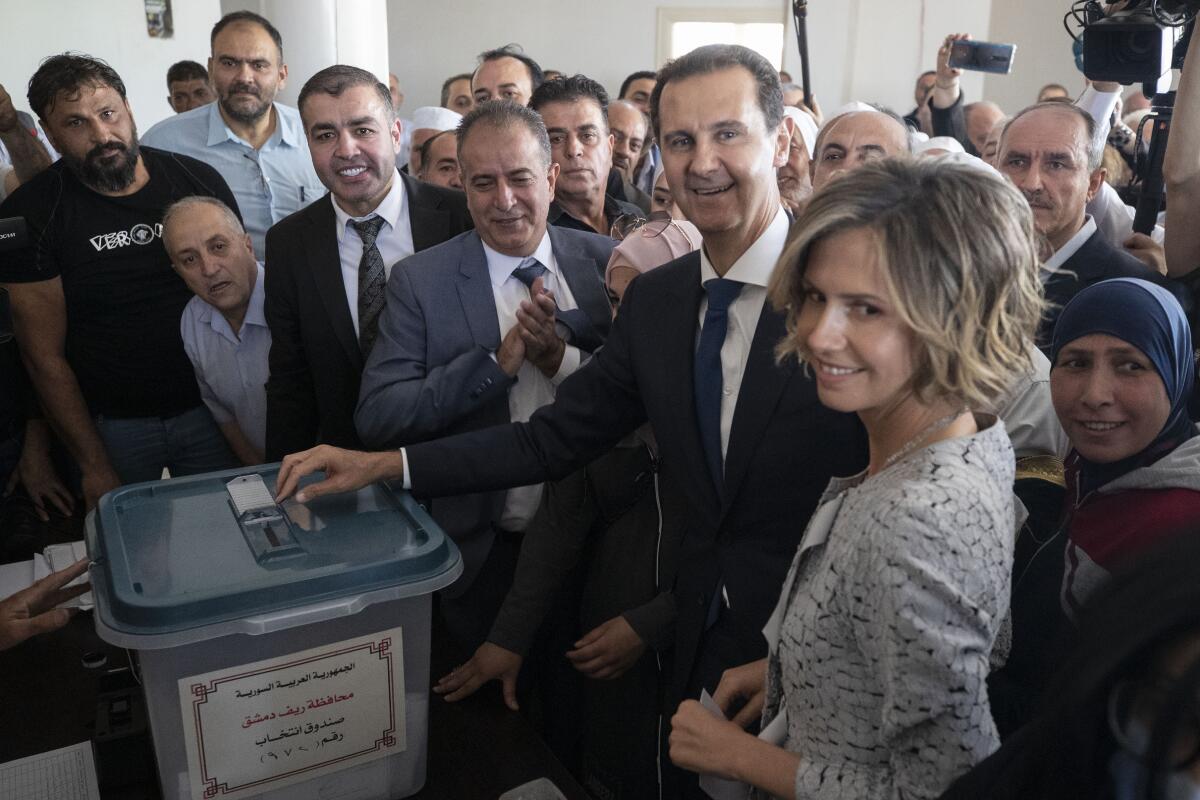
<point>1043,52</point>
<point>895,40</point>
<point>319,33</point>
<point>428,40</point>
<point>114,30</point>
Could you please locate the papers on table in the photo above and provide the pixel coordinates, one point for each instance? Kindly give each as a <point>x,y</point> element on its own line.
<point>65,774</point>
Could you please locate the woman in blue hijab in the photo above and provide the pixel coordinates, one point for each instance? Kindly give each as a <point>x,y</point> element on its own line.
<point>1121,378</point>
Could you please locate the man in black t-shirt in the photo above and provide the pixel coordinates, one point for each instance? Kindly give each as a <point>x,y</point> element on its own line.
<point>96,305</point>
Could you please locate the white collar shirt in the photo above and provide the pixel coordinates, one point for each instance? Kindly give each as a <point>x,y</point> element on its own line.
<point>395,240</point>
<point>754,269</point>
<point>231,368</point>
<point>532,389</point>
<point>1064,253</point>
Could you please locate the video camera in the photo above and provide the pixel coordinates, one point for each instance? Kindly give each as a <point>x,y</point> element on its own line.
<point>1138,44</point>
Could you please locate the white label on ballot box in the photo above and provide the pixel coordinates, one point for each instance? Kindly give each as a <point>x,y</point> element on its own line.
<point>262,726</point>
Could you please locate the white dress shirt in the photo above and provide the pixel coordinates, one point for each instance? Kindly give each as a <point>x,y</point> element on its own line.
<point>754,268</point>
<point>395,240</point>
<point>532,389</point>
<point>1062,254</point>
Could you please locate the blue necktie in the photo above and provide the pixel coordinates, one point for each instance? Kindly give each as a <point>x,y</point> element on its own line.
<point>708,381</point>
<point>578,328</point>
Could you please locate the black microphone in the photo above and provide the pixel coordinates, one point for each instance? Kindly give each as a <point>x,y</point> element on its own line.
<point>800,18</point>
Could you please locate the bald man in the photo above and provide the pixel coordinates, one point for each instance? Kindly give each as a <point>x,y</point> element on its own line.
<point>630,129</point>
<point>980,118</point>
<point>850,140</point>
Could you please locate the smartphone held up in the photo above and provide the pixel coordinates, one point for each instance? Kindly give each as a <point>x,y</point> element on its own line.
<point>982,56</point>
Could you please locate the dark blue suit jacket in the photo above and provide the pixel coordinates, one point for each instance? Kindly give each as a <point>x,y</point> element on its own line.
<point>783,448</point>
<point>1097,260</point>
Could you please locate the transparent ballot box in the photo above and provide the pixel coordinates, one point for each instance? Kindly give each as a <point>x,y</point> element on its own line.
<point>284,650</point>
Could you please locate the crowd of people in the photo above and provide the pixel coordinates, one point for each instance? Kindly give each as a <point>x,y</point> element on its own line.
<point>843,455</point>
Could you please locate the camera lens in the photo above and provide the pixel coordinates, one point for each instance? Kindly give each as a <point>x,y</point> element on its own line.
<point>1137,46</point>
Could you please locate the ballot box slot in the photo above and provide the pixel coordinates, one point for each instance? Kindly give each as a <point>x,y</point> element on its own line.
<point>265,525</point>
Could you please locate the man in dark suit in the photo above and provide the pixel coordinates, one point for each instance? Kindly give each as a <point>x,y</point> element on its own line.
<point>326,265</point>
<point>1052,153</point>
<point>745,444</point>
<point>457,352</point>
<point>575,110</point>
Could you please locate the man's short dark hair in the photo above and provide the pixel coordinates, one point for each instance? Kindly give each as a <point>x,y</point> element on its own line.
<point>501,114</point>
<point>186,71</point>
<point>247,16</point>
<point>426,148</point>
<point>643,75</point>
<point>536,76</point>
<point>450,82</point>
<point>568,90</point>
<point>340,77</point>
<point>68,73</point>
<point>713,58</point>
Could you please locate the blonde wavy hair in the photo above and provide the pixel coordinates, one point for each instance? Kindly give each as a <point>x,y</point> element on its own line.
<point>958,252</point>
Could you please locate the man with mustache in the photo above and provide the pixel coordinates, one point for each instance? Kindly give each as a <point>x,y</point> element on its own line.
<point>96,305</point>
<point>256,144</point>
<point>1052,153</point>
<point>575,110</point>
<point>327,264</point>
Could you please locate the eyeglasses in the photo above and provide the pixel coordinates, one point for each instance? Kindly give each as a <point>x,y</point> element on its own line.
<point>1137,703</point>
<point>626,224</point>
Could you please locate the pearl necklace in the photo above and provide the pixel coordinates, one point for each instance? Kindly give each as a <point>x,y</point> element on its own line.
<point>921,436</point>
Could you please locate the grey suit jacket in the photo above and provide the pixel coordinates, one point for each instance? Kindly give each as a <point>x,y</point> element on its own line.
<point>431,372</point>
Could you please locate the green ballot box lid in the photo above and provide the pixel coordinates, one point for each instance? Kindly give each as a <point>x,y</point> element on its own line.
<point>183,560</point>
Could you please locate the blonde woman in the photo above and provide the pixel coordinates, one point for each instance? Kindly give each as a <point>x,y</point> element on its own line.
<point>911,292</point>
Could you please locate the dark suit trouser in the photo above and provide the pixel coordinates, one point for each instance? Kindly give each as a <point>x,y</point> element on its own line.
<point>722,647</point>
<point>548,687</point>
<point>469,616</point>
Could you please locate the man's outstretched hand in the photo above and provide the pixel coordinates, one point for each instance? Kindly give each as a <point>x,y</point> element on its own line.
<point>345,471</point>
<point>35,610</point>
<point>490,662</point>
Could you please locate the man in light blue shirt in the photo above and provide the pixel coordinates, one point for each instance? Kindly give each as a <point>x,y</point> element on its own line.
<point>225,333</point>
<point>256,144</point>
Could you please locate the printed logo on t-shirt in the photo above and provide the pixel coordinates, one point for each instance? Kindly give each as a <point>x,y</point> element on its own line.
<point>140,234</point>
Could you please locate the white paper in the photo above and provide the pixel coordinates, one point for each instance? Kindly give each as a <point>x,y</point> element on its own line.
<point>65,774</point>
<point>23,574</point>
<point>58,557</point>
<point>259,727</point>
<point>15,577</point>
<point>716,787</point>
<point>776,731</point>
